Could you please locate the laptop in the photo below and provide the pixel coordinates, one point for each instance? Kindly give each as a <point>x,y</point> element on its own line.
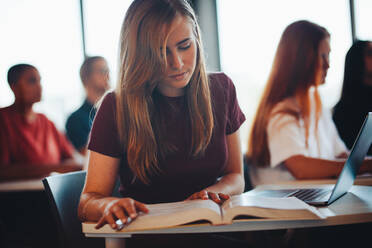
<point>322,196</point>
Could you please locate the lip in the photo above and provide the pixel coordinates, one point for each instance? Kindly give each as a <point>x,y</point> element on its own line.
<point>178,76</point>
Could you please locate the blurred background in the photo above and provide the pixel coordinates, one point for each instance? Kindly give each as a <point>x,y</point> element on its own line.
<point>240,38</point>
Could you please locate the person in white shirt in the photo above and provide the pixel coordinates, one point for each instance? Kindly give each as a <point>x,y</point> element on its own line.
<point>293,136</point>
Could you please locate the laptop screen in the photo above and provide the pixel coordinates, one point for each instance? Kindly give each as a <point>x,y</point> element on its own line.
<point>355,160</point>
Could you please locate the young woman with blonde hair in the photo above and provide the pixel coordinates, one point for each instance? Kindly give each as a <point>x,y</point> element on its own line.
<point>292,135</point>
<point>169,130</point>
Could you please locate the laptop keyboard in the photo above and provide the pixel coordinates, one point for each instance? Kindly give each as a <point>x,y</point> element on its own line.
<point>310,195</point>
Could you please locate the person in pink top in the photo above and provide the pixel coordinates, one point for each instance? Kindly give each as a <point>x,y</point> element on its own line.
<point>30,144</point>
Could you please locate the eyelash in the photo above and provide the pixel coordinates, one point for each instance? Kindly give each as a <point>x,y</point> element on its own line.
<point>185,47</point>
<point>182,47</point>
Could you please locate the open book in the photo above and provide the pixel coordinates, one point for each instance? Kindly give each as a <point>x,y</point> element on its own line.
<point>165,215</point>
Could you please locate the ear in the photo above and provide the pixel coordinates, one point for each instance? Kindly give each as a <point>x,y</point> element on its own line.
<point>14,88</point>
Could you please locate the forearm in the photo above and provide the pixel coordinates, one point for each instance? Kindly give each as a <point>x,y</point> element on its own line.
<point>230,184</point>
<point>366,166</point>
<point>302,167</point>
<point>92,205</point>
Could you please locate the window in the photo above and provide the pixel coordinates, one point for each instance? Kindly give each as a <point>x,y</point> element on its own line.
<point>249,33</point>
<point>363,19</point>
<point>103,22</point>
<point>47,35</point>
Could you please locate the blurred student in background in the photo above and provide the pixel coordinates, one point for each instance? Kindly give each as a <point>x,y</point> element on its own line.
<point>94,74</point>
<point>293,136</point>
<point>30,144</point>
<point>356,96</point>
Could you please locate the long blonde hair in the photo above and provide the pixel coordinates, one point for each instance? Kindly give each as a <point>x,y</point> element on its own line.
<point>142,64</point>
<point>295,70</point>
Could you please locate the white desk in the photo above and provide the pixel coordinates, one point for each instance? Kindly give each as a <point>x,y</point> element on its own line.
<point>22,185</point>
<point>354,207</point>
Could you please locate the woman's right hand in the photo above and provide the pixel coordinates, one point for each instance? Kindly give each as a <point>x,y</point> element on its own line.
<point>120,209</point>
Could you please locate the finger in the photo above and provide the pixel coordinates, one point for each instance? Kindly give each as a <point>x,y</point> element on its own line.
<point>203,195</point>
<point>129,208</point>
<point>214,197</point>
<point>141,207</point>
<point>111,221</point>
<point>193,196</point>
<point>100,223</point>
<point>223,196</point>
<point>119,213</point>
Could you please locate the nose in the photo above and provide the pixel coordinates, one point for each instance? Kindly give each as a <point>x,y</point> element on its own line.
<point>175,61</point>
<point>325,63</point>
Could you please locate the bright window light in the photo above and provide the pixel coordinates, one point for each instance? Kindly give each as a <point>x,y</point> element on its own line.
<point>363,19</point>
<point>103,20</point>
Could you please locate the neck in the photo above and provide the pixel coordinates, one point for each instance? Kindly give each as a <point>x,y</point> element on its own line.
<point>93,95</point>
<point>25,110</point>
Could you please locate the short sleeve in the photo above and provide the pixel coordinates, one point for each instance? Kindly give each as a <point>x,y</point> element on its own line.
<point>235,116</point>
<point>104,137</point>
<point>284,138</point>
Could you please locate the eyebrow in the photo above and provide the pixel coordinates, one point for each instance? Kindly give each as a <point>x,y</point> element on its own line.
<point>182,41</point>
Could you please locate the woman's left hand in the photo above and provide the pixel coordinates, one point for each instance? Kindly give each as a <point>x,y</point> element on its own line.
<point>218,198</point>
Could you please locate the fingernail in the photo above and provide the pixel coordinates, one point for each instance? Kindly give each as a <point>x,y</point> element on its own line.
<point>133,216</point>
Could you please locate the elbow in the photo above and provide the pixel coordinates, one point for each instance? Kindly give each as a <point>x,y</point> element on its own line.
<point>240,184</point>
<point>82,207</point>
<point>80,212</point>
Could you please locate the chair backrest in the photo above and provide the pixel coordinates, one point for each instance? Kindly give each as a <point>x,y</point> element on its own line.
<point>248,184</point>
<point>64,192</point>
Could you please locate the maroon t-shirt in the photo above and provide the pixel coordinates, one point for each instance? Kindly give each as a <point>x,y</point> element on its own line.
<point>181,174</point>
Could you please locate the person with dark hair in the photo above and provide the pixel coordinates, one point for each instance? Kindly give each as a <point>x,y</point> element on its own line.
<point>30,144</point>
<point>356,96</point>
<point>94,74</point>
<point>293,135</point>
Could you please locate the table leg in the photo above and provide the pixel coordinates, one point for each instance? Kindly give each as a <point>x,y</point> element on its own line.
<point>115,242</point>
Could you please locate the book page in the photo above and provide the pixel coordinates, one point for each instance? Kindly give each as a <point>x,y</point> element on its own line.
<point>264,202</point>
<point>268,207</point>
<point>165,215</point>
<point>177,207</point>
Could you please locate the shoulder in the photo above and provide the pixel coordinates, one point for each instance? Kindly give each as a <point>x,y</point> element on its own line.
<point>44,119</point>
<point>219,80</point>
<point>3,111</point>
<point>6,111</point>
<point>288,105</point>
<point>4,114</point>
<point>109,99</point>
<point>221,86</point>
<point>74,116</point>
<point>284,113</point>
